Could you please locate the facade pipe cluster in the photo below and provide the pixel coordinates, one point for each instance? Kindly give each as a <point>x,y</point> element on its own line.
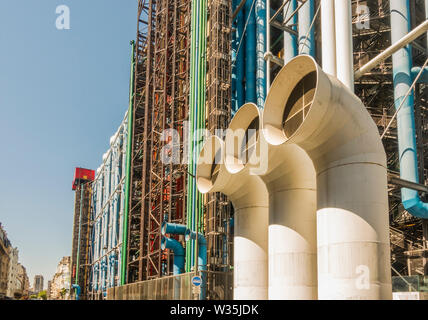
<point>250,200</point>
<point>344,145</point>
<point>124,249</point>
<point>290,40</point>
<point>196,121</point>
<point>306,29</point>
<point>174,245</point>
<point>402,72</point>
<point>250,52</point>
<point>291,185</point>
<point>316,114</point>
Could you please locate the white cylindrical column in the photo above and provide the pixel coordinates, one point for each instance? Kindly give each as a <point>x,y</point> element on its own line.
<point>328,32</point>
<point>344,47</point>
<point>289,176</point>
<point>343,141</point>
<point>250,201</point>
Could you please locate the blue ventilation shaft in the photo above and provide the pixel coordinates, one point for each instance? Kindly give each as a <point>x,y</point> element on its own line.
<point>402,64</point>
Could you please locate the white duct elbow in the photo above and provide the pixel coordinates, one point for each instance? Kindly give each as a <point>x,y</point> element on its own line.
<point>250,200</point>
<point>318,113</point>
<point>289,176</point>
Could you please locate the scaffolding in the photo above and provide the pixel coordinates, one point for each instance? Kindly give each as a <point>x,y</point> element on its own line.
<point>158,174</point>
<point>80,267</point>
<point>141,129</point>
<point>218,211</point>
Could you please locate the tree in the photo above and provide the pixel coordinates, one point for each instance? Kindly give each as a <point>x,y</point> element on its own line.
<point>42,295</point>
<point>63,293</point>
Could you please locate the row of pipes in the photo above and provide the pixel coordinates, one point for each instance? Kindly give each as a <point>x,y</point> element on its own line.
<point>108,199</point>
<point>251,82</point>
<point>309,189</point>
<point>196,123</point>
<point>337,52</point>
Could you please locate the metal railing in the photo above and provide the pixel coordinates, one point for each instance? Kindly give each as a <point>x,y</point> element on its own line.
<point>175,288</point>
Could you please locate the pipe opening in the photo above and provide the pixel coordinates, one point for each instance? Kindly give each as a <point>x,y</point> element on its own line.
<point>249,142</point>
<point>299,104</point>
<point>209,164</point>
<point>215,167</point>
<point>242,137</point>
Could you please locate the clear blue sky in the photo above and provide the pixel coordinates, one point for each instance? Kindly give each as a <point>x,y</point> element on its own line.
<point>62,96</point>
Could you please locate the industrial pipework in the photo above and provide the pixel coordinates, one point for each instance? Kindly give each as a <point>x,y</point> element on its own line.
<point>402,71</point>
<point>250,200</point>
<point>174,245</point>
<point>317,112</point>
<point>289,177</point>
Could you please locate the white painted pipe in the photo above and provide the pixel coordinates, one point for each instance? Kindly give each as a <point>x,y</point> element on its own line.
<point>344,144</point>
<point>404,41</point>
<point>289,176</point>
<point>250,200</point>
<point>344,47</point>
<point>328,33</point>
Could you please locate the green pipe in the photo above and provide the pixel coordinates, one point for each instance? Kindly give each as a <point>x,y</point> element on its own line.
<point>128,169</point>
<point>190,139</point>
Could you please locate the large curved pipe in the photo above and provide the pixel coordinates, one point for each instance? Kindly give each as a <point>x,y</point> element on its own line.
<point>408,154</point>
<point>177,248</point>
<point>289,176</point>
<point>307,107</point>
<point>250,200</point>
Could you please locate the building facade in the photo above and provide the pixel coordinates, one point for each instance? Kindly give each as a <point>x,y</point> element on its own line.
<point>14,285</point>
<point>61,281</point>
<point>24,280</point>
<point>106,212</point>
<point>38,283</point>
<point>4,261</point>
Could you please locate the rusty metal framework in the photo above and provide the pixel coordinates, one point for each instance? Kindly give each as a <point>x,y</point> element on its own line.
<point>158,180</point>
<point>167,197</point>
<point>218,210</point>
<point>80,267</point>
<point>140,161</point>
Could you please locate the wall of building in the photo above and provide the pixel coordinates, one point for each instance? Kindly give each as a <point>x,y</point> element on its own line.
<point>4,261</point>
<point>14,284</point>
<point>107,211</point>
<point>61,280</point>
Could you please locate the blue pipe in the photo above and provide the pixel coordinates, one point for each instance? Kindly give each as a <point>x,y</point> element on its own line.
<point>202,257</point>
<point>173,228</point>
<point>402,63</point>
<point>261,49</point>
<point>424,76</point>
<point>250,53</point>
<point>234,46</point>
<point>290,40</point>
<point>77,289</point>
<point>177,248</point>
<point>306,33</point>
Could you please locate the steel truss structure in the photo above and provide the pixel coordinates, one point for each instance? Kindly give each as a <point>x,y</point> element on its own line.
<point>158,179</point>
<point>217,209</point>
<point>82,228</point>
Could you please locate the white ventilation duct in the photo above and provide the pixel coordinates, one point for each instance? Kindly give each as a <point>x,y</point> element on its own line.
<point>289,176</point>
<point>250,200</point>
<point>309,108</point>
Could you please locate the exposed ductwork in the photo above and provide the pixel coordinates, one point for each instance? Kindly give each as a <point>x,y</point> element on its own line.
<point>307,107</point>
<point>314,126</point>
<point>402,64</point>
<point>250,200</point>
<point>289,177</point>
